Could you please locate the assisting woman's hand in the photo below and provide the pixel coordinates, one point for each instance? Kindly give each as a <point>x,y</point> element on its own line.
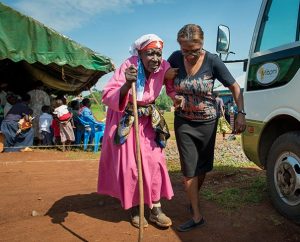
<point>240,123</point>
<point>179,101</point>
<point>171,73</point>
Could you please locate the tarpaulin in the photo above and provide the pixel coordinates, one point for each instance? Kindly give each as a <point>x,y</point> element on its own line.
<point>46,55</point>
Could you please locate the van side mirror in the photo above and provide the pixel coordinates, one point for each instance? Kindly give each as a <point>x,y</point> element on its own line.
<point>223,40</point>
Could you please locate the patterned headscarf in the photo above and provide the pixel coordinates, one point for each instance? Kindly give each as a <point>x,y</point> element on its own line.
<point>145,42</point>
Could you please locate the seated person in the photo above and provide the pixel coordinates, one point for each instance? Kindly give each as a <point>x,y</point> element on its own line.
<point>86,112</point>
<point>11,99</point>
<point>15,137</point>
<point>74,108</point>
<point>87,115</point>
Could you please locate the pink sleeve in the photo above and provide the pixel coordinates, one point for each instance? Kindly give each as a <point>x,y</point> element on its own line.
<point>170,88</point>
<point>111,92</point>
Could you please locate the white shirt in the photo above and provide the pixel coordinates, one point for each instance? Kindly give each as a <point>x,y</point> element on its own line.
<point>61,110</point>
<point>45,122</point>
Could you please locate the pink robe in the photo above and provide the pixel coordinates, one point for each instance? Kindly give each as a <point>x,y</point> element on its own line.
<point>118,175</point>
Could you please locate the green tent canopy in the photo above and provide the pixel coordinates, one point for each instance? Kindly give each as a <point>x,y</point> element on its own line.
<point>30,51</point>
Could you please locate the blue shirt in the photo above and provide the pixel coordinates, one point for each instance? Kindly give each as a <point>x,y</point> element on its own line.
<point>88,115</point>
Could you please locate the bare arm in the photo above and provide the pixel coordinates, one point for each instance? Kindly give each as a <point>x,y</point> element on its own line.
<point>223,111</point>
<point>240,122</point>
<point>171,73</point>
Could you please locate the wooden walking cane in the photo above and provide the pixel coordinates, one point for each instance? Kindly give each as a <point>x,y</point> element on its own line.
<point>139,162</point>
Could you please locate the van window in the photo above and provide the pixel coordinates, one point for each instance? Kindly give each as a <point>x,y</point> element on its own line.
<point>279,25</point>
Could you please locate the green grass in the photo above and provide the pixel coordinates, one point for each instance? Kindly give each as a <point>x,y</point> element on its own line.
<point>250,191</point>
<point>173,166</point>
<point>99,115</point>
<point>240,191</point>
<point>228,164</point>
<point>169,117</point>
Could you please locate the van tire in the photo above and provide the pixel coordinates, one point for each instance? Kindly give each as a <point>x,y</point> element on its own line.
<point>284,146</point>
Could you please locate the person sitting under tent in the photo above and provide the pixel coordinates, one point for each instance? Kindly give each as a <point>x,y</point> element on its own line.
<point>74,108</point>
<point>86,112</point>
<point>11,99</point>
<point>17,137</point>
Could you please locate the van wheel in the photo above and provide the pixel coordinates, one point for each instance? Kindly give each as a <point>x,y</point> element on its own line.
<point>283,175</point>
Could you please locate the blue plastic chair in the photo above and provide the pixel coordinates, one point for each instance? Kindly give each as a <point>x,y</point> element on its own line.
<point>86,132</point>
<point>96,133</point>
<point>99,132</point>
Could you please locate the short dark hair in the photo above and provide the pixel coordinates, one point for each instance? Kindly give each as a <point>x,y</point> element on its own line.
<point>75,104</point>
<point>25,97</point>
<point>191,32</point>
<point>39,83</point>
<point>46,109</point>
<point>86,102</point>
<point>58,102</point>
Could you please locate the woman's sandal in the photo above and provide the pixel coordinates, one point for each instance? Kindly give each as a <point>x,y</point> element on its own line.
<point>190,224</point>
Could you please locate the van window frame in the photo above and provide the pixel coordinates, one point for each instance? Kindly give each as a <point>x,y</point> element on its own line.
<point>264,21</point>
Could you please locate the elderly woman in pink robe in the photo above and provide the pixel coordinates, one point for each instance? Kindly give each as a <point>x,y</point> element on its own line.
<point>118,175</point>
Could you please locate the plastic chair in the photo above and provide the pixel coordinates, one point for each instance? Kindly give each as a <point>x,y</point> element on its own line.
<point>97,131</point>
<point>86,132</point>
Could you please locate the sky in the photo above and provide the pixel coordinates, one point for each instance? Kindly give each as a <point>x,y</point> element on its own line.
<point>110,27</point>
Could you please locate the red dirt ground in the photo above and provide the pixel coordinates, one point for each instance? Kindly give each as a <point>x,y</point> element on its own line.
<point>61,191</point>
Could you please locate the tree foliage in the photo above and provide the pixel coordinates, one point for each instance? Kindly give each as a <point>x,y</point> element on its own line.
<point>96,94</point>
<point>164,102</point>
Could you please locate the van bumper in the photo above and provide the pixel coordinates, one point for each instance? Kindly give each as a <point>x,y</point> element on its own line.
<point>250,140</point>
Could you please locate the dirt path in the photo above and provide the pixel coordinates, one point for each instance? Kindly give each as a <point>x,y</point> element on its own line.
<point>62,195</point>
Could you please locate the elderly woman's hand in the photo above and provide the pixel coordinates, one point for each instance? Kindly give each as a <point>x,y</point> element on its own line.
<point>131,74</point>
<point>240,123</point>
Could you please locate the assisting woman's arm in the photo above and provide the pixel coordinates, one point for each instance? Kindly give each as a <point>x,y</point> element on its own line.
<point>170,75</point>
<point>240,122</point>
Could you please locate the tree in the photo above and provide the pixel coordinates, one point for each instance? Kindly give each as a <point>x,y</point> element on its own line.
<point>163,102</point>
<point>96,94</point>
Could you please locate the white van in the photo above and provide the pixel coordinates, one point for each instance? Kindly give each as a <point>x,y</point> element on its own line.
<point>272,100</point>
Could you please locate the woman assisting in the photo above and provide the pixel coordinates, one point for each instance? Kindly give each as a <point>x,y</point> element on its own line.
<point>196,121</point>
